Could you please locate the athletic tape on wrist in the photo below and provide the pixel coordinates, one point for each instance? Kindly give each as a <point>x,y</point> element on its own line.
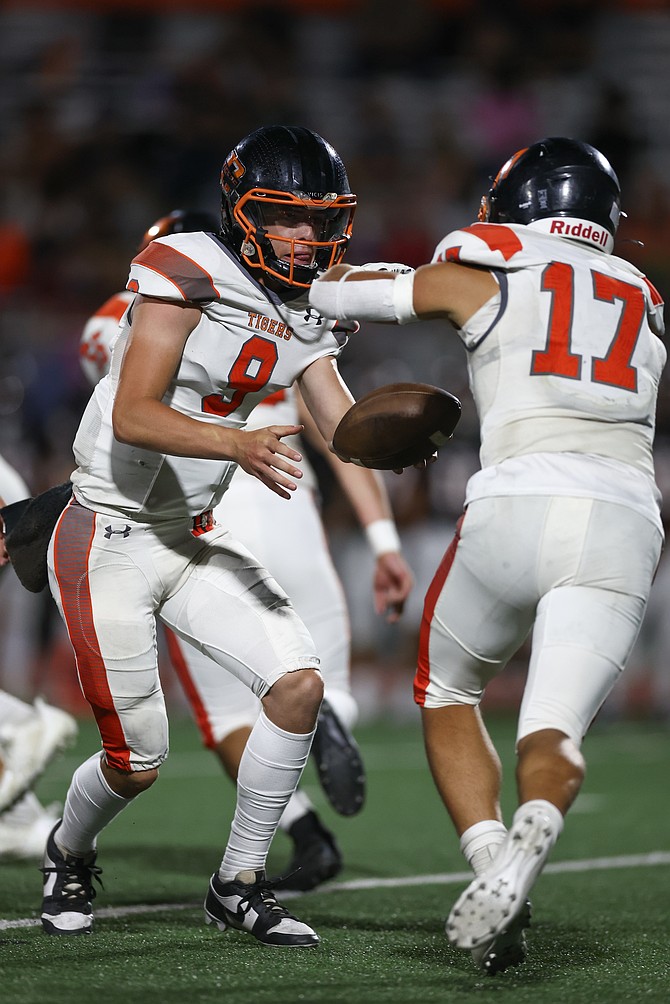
<point>403,297</point>
<point>382,536</point>
<point>371,300</point>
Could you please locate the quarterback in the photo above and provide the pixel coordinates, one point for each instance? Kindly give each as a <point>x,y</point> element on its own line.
<point>290,541</point>
<point>217,325</point>
<point>561,531</point>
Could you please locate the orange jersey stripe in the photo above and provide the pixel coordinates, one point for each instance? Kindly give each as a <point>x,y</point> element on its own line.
<point>72,546</point>
<point>181,669</point>
<point>497,237</point>
<point>422,676</point>
<point>193,282</point>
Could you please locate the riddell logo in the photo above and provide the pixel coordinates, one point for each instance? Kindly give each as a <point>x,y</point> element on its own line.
<point>580,231</point>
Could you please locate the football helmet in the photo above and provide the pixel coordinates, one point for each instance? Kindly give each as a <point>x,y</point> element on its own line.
<point>180,221</point>
<point>560,186</point>
<point>292,179</point>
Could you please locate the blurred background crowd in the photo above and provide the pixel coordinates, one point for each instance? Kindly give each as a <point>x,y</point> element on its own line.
<point>114,113</point>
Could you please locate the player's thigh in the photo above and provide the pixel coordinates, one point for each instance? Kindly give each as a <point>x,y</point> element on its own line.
<point>480,606</point>
<point>288,538</point>
<point>231,608</point>
<point>100,584</point>
<point>585,630</point>
<point>220,702</point>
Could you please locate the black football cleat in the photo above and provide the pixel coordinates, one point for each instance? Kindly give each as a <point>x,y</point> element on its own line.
<point>68,890</point>
<point>247,903</point>
<point>316,856</point>
<point>338,763</point>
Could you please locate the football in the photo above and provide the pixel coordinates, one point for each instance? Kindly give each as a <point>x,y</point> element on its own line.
<point>396,426</point>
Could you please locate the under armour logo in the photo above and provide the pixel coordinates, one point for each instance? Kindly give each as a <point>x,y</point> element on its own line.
<point>109,531</point>
<point>311,314</point>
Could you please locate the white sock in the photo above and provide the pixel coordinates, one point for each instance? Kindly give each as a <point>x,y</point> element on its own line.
<point>480,843</point>
<point>14,711</point>
<point>90,805</point>
<point>553,815</point>
<point>298,806</point>
<point>344,705</point>
<point>269,771</point>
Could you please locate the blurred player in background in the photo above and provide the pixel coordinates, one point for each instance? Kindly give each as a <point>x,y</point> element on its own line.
<point>31,735</point>
<point>561,533</point>
<point>291,542</point>
<point>217,326</point>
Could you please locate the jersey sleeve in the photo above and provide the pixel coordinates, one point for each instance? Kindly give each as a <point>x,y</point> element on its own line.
<point>174,268</point>
<point>655,309</point>
<point>490,245</point>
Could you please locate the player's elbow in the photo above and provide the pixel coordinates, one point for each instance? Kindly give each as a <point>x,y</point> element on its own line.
<point>125,427</point>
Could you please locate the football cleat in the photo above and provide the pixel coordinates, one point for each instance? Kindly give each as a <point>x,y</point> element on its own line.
<point>506,949</point>
<point>25,828</point>
<point>338,763</point>
<point>495,902</point>
<point>68,890</point>
<point>316,856</point>
<point>26,749</point>
<point>248,903</point>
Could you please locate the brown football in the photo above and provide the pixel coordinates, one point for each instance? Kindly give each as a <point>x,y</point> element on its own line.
<point>397,425</point>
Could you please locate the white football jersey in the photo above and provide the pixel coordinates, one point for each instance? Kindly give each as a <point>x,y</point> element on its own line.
<point>99,335</point>
<point>567,360</point>
<point>248,345</point>
<point>280,409</point>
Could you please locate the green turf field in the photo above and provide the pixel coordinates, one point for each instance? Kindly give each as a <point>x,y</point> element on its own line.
<point>601,926</point>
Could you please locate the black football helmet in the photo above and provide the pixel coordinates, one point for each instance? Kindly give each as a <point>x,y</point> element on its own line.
<point>180,221</point>
<point>560,186</point>
<point>286,176</point>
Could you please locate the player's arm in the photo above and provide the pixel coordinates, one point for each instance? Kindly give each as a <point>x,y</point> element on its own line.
<point>323,390</point>
<point>141,418</point>
<point>443,289</point>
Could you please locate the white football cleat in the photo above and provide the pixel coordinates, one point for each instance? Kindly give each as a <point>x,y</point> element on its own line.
<point>25,828</point>
<point>506,949</point>
<point>495,902</point>
<point>26,749</point>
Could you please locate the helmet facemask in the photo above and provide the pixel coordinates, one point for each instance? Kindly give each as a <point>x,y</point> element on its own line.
<point>322,228</point>
<point>287,209</point>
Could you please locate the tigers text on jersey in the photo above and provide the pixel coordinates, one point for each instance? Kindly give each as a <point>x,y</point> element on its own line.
<point>567,360</point>
<point>248,344</point>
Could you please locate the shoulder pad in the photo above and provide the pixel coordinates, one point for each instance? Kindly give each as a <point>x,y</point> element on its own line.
<point>493,245</point>
<point>178,267</point>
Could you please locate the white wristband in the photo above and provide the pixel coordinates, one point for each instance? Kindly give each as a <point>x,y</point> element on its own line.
<point>382,536</point>
<point>403,297</point>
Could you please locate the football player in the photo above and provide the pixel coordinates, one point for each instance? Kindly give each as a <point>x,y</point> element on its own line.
<point>31,735</point>
<point>290,541</point>
<point>561,532</point>
<point>218,324</point>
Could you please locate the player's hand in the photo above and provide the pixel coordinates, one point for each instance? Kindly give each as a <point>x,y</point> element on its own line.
<point>386,266</point>
<point>420,466</point>
<point>335,272</point>
<point>262,453</point>
<point>392,584</point>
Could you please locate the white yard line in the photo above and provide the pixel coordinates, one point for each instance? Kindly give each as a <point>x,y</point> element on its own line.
<point>652,860</point>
